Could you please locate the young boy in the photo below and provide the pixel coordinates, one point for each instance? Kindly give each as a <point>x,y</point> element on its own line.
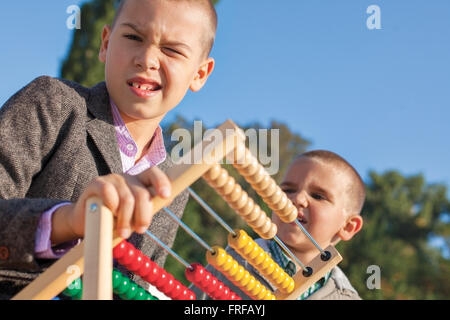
<point>62,143</point>
<point>329,195</point>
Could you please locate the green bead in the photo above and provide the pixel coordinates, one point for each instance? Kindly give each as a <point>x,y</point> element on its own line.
<point>117,278</point>
<point>148,296</point>
<point>79,296</point>
<point>131,292</point>
<point>123,286</point>
<point>140,294</point>
<point>74,288</point>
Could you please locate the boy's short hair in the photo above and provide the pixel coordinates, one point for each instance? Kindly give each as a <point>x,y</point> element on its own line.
<point>211,13</point>
<point>356,191</point>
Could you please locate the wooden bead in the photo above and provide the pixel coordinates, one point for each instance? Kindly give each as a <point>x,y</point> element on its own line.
<point>259,259</point>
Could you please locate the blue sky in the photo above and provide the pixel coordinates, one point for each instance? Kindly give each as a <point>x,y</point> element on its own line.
<point>380,98</point>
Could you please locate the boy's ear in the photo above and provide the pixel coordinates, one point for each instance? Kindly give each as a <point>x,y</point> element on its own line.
<point>202,74</point>
<point>106,33</point>
<point>352,226</point>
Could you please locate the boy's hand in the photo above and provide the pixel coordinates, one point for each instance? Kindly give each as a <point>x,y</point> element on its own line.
<point>128,198</point>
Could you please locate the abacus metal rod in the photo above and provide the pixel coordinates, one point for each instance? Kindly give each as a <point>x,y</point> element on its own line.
<point>170,251</point>
<point>211,211</point>
<point>289,252</point>
<point>229,229</point>
<point>188,230</point>
<point>310,238</point>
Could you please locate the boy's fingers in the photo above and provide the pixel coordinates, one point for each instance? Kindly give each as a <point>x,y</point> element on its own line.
<point>103,189</point>
<point>156,178</point>
<point>126,206</point>
<point>143,210</point>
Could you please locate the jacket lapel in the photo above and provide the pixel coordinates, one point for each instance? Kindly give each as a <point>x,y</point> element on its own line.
<point>100,127</point>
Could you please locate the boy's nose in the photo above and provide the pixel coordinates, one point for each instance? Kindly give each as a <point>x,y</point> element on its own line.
<point>148,60</point>
<point>300,199</point>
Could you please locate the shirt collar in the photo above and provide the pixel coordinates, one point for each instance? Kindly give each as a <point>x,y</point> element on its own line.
<point>155,155</point>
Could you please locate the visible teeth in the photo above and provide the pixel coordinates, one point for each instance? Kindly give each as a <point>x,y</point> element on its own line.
<point>142,87</point>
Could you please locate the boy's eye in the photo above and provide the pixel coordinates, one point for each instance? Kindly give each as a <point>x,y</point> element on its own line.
<point>132,37</point>
<point>172,51</point>
<point>287,190</point>
<point>318,196</point>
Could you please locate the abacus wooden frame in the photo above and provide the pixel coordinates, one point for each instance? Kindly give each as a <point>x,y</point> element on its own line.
<point>93,256</point>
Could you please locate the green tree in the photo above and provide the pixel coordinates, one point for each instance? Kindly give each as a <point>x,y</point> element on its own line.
<point>401,215</point>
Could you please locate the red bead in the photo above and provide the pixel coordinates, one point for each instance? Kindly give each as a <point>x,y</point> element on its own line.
<point>190,273</point>
<point>137,262</point>
<point>177,290</point>
<point>226,294</point>
<point>184,294</point>
<point>187,295</point>
<point>191,295</point>
<point>206,283</point>
<point>195,273</point>
<point>154,273</point>
<point>234,296</point>
<point>162,279</point>
<point>129,256</point>
<point>119,250</point>
<point>145,268</point>
<point>213,285</point>
<point>168,286</point>
<point>220,291</point>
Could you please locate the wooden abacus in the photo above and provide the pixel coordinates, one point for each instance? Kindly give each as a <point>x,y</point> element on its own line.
<point>93,257</point>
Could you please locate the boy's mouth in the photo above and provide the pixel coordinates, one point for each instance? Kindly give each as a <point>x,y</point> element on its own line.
<point>144,88</point>
<point>301,218</point>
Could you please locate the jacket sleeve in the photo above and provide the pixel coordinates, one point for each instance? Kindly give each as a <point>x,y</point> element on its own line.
<point>29,125</point>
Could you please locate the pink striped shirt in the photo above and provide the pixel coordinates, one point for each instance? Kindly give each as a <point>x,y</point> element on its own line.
<point>128,149</point>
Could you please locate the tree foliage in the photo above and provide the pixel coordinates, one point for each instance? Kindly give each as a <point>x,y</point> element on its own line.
<point>401,215</point>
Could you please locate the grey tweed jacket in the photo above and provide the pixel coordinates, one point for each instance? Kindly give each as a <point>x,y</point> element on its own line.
<point>55,137</point>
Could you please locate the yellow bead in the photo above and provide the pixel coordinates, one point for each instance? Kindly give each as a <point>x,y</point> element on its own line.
<point>281,276</point>
<point>234,268</point>
<point>268,296</point>
<point>266,263</point>
<point>260,258</point>
<point>228,264</point>
<point>239,274</point>
<point>262,293</point>
<point>276,272</point>
<point>245,279</point>
<point>291,286</point>
<point>271,267</point>
<point>248,248</point>
<point>255,252</point>
<point>242,239</point>
<point>251,284</point>
<point>256,289</point>
<point>287,282</point>
<point>217,258</point>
